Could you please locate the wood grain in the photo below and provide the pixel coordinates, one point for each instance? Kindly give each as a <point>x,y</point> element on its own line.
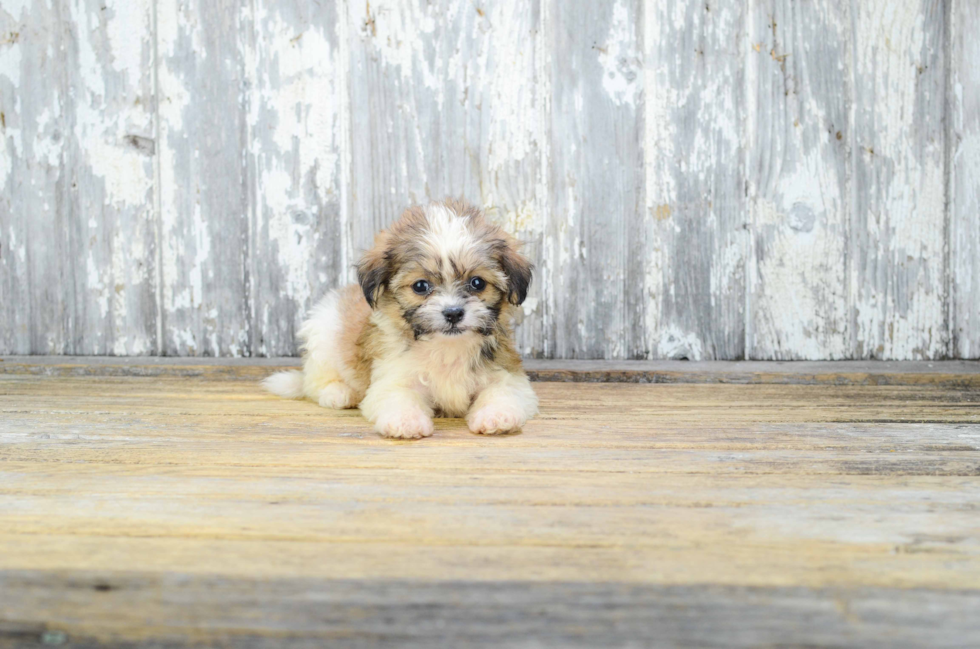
<point>695,194</point>
<point>401,613</point>
<point>472,614</point>
<point>798,135</point>
<point>204,181</point>
<point>179,511</point>
<point>446,99</point>
<point>897,238</point>
<point>36,297</point>
<point>113,146</point>
<point>595,296</point>
<point>297,205</point>
<point>769,179</point>
<point>963,104</point>
<point>79,270</point>
<point>952,374</point>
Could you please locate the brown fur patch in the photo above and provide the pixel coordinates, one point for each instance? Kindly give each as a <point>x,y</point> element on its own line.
<point>355,313</point>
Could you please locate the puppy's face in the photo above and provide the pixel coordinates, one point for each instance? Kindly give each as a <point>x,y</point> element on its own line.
<point>444,271</point>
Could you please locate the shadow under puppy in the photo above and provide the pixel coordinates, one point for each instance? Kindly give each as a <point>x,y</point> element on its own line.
<point>428,332</point>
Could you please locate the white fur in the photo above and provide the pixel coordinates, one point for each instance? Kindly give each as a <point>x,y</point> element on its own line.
<point>326,379</point>
<point>285,384</point>
<point>447,232</point>
<point>504,406</point>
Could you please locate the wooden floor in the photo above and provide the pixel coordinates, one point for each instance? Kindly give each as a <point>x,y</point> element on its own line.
<point>174,510</point>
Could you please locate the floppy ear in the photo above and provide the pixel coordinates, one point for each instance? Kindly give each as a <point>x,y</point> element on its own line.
<point>374,270</point>
<point>518,270</point>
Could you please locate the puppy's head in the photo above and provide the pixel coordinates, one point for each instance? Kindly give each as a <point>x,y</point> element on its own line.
<point>445,271</point>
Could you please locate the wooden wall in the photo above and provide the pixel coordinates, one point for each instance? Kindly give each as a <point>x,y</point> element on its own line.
<point>771,179</point>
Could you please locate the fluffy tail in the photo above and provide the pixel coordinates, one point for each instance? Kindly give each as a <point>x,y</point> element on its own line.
<point>285,384</point>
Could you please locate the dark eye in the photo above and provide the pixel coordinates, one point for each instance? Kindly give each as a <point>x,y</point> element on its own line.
<point>477,284</point>
<point>421,287</point>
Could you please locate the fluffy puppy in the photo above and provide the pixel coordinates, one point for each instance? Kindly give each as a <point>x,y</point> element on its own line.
<point>428,331</point>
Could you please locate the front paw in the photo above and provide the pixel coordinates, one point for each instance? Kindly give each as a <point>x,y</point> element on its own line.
<point>408,424</point>
<point>496,420</point>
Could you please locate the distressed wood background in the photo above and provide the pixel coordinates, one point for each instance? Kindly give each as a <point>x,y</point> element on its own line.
<point>769,179</point>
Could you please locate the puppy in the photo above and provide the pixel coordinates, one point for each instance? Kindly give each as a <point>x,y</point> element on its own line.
<point>428,331</point>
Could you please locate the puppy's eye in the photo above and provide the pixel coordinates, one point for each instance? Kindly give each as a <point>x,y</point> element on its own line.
<point>477,284</point>
<point>421,287</point>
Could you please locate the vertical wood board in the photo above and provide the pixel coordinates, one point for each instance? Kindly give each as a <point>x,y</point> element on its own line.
<point>898,191</point>
<point>295,149</point>
<point>772,179</point>
<point>595,179</point>
<point>695,196</point>
<point>798,96</point>
<point>37,300</point>
<point>203,181</point>
<point>963,104</point>
<point>111,216</point>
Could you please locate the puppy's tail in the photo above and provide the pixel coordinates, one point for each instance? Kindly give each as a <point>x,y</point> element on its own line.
<point>285,384</point>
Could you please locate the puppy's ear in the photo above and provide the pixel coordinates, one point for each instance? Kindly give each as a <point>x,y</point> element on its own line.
<point>517,268</point>
<point>374,270</point>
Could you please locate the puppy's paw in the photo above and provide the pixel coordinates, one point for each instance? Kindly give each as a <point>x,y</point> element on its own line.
<point>407,424</point>
<point>494,419</point>
<point>337,395</point>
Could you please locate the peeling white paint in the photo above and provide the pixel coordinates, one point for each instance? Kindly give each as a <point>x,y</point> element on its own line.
<point>618,57</point>
<point>530,306</point>
<point>102,129</point>
<point>400,32</point>
<point>508,59</point>
<point>295,118</point>
<point>964,197</point>
<point>899,301</point>
<point>675,344</point>
<point>96,284</point>
<point>47,147</point>
<point>129,28</point>
<point>480,77</point>
<point>10,62</point>
<point>16,8</point>
<point>6,159</point>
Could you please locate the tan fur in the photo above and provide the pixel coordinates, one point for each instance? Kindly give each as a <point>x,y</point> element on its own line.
<point>395,352</point>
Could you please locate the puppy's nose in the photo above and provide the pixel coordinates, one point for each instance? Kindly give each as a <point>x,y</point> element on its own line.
<point>453,314</point>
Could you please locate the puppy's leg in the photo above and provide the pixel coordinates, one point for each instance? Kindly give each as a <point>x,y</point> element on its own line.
<point>324,385</point>
<point>397,411</point>
<point>504,406</point>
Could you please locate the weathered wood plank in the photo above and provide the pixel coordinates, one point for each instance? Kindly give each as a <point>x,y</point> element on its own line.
<point>204,185</point>
<point>514,153</point>
<point>897,235</point>
<point>696,211</point>
<point>797,108</point>
<point>78,225</point>
<point>295,156</point>
<point>594,294</point>
<point>112,143</point>
<point>224,515</point>
<point>394,613</point>
<point>290,132</point>
<point>37,302</point>
<point>963,101</point>
<point>445,100</point>
<point>962,374</point>
<point>603,468</point>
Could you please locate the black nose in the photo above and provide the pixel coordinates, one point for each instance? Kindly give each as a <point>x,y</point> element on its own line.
<point>453,314</point>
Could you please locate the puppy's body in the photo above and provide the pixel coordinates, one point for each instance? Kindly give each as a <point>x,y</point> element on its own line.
<point>427,332</point>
